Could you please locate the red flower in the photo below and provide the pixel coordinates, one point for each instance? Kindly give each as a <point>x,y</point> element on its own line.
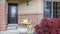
<point>49,25</point>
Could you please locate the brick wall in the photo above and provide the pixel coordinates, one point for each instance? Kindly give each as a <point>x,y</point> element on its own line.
<point>2,16</point>
<point>33,18</point>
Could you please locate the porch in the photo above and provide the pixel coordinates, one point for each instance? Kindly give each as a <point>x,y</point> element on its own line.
<point>24,12</point>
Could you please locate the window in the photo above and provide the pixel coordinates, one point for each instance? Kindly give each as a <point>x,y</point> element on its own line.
<point>47,9</point>
<point>51,8</point>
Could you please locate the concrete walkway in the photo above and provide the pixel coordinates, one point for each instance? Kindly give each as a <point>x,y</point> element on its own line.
<point>14,32</point>
<point>10,32</point>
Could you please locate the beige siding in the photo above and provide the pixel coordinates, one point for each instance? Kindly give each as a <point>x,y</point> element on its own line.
<point>35,6</point>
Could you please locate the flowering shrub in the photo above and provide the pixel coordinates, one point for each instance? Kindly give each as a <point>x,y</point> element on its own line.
<point>48,26</point>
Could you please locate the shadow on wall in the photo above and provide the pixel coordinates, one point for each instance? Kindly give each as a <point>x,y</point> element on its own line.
<point>24,1</point>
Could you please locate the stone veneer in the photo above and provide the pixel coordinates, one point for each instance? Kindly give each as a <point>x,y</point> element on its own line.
<point>2,16</point>
<point>33,18</point>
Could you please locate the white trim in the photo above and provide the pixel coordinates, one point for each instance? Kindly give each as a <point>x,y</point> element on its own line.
<point>52,10</point>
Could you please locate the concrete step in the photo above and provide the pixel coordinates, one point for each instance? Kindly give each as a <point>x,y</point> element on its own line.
<point>11,26</point>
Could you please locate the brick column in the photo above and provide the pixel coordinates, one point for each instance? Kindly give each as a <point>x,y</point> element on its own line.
<point>2,15</point>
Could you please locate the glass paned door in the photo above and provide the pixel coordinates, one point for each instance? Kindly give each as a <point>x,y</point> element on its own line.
<point>47,9</point>
<point>56,9</point>
<point>12,13</point>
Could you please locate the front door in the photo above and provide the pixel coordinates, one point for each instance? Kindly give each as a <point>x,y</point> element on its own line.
<point>12,13</point>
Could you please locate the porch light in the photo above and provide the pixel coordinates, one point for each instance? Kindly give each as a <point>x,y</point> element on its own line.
<point>27,2</point>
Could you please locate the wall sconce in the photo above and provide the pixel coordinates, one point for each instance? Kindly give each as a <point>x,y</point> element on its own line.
<point>27,2</point>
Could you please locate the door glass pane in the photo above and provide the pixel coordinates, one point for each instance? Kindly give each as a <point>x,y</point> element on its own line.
<point>13,11</point>
<point>56,9</point>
